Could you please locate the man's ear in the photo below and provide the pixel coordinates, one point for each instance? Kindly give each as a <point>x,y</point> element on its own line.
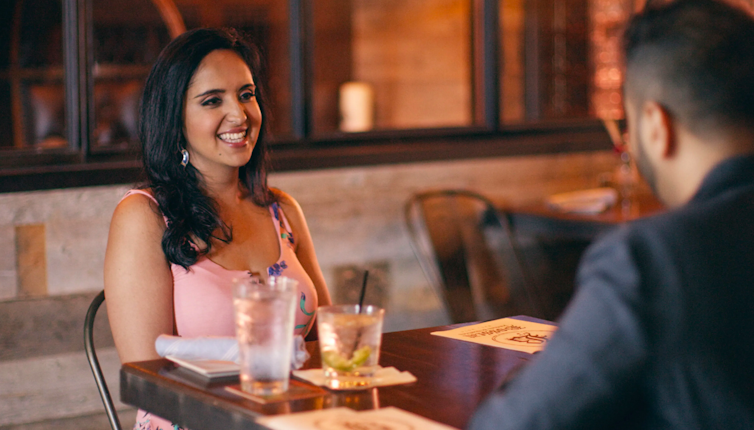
<point>659,130</point>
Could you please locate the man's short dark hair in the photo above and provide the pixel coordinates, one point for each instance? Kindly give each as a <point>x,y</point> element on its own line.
<point>695,58</point>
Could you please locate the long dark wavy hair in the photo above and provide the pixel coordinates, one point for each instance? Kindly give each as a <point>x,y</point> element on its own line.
<point>190,212</point>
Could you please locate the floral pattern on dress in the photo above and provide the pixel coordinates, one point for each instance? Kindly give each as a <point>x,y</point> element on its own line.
<point>277,268</point>
<point>144,422</point>
<point>302,306</point>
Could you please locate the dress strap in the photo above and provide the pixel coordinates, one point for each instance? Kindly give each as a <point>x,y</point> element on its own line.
<point>151,197</point>
<point>285,233</point>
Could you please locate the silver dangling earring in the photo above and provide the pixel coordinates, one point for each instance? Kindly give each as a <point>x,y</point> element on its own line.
<point>184,157</point>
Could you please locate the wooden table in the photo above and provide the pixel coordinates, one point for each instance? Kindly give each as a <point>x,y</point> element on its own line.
<point>541,218</point>
<point>453,378</point>
<point>552,244</point>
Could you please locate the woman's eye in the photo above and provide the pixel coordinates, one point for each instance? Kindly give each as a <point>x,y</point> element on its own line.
<point>248,95</point>
<point>211,102</point>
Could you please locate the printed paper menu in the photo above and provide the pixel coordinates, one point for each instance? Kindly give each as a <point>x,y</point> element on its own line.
<point>506,333</point>
<point>342,418</point>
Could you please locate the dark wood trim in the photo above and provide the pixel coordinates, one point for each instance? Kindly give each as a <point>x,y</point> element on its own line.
<point>86,74</point>
<point>71,11</point>
<point>321,155</point>
<point>299,54</point>
<point>484,64</point>
<point>69,176</point>
<point>340,150</point>
<point>531,60</point>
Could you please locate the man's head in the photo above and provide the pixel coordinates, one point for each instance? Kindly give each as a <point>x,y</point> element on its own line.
<point>689,90</point>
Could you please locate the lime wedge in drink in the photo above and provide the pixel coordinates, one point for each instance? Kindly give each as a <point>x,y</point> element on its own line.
<point>361,355</point>
<point>338,362</point>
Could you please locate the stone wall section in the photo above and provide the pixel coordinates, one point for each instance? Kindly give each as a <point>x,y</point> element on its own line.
<point>355,218</point>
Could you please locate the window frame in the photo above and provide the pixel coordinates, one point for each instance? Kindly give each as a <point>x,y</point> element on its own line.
<point>79,165</point>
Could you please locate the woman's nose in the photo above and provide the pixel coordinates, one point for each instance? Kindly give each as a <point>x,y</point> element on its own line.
<point>236,113</point>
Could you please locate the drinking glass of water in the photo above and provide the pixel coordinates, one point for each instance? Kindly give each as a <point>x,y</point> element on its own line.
<point>265,314</point>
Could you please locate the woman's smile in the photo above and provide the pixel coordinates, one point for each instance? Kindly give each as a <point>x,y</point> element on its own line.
<point>234,138</point>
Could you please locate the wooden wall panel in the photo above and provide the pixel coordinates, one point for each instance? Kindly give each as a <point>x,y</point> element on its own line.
<point>31,259</point>
<point>46,326</point>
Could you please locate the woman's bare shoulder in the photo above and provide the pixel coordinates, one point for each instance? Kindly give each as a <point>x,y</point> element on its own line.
<point>289,204</point>
<point>139,209</point>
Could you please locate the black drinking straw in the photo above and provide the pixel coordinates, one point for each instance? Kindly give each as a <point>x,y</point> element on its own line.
<point>361,310</point>
<point>363,290</point>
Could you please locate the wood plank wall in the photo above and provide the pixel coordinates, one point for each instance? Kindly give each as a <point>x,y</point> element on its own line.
<point>44,373</point>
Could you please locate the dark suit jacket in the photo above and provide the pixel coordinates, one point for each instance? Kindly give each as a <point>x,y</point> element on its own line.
<point>660,334</point>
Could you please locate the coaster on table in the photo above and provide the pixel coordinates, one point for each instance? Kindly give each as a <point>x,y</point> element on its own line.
<point>382,377</point>
<point>296,390</point>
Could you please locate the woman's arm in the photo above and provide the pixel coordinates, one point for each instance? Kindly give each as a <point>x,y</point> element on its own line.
<point>304,246</point>
<point>138,282</point>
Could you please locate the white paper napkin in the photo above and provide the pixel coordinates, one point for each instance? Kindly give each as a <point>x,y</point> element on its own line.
<point>592,201</point>
<point>198,348</point>
<point>384,376</point>
<point>223,348</point>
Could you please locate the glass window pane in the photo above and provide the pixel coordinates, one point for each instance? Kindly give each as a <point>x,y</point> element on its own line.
<point>265,23</point>
<point>32,95</point>
<point>410,60</point>
<point>561,59</point>
<point>512,65</point>
<point>608,18</point>
<point>546,68</point>
<point>130,34</point>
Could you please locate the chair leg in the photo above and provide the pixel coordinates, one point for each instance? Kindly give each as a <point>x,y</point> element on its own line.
<point>91,355</point>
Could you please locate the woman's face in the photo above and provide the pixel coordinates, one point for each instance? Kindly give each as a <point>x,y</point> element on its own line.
<point>221,116</point>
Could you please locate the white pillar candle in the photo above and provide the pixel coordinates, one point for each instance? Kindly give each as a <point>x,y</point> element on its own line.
<point>356,106</point>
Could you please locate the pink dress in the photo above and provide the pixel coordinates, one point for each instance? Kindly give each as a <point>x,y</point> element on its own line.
<point>203,300</point>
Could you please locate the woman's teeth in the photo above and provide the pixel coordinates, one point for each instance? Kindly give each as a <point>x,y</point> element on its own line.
<point>233,137</point>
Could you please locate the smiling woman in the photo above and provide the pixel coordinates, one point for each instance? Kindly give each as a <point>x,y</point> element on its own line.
<point>205,215</point>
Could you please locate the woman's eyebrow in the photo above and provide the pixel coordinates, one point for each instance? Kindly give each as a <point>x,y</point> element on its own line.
<point>220,91</point>
<point>214,91</point>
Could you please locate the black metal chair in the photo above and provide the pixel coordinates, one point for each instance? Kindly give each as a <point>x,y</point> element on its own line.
<point>91,355</point>
<point>466,250</point>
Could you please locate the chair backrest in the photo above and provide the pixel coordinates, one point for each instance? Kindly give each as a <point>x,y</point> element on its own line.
<point>91,355</point>
<point>467,252</point>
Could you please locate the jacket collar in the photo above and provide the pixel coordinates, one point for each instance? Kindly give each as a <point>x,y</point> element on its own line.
<point>728,175</point>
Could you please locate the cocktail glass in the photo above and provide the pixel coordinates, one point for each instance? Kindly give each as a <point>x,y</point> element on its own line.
<point>349,341</point>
